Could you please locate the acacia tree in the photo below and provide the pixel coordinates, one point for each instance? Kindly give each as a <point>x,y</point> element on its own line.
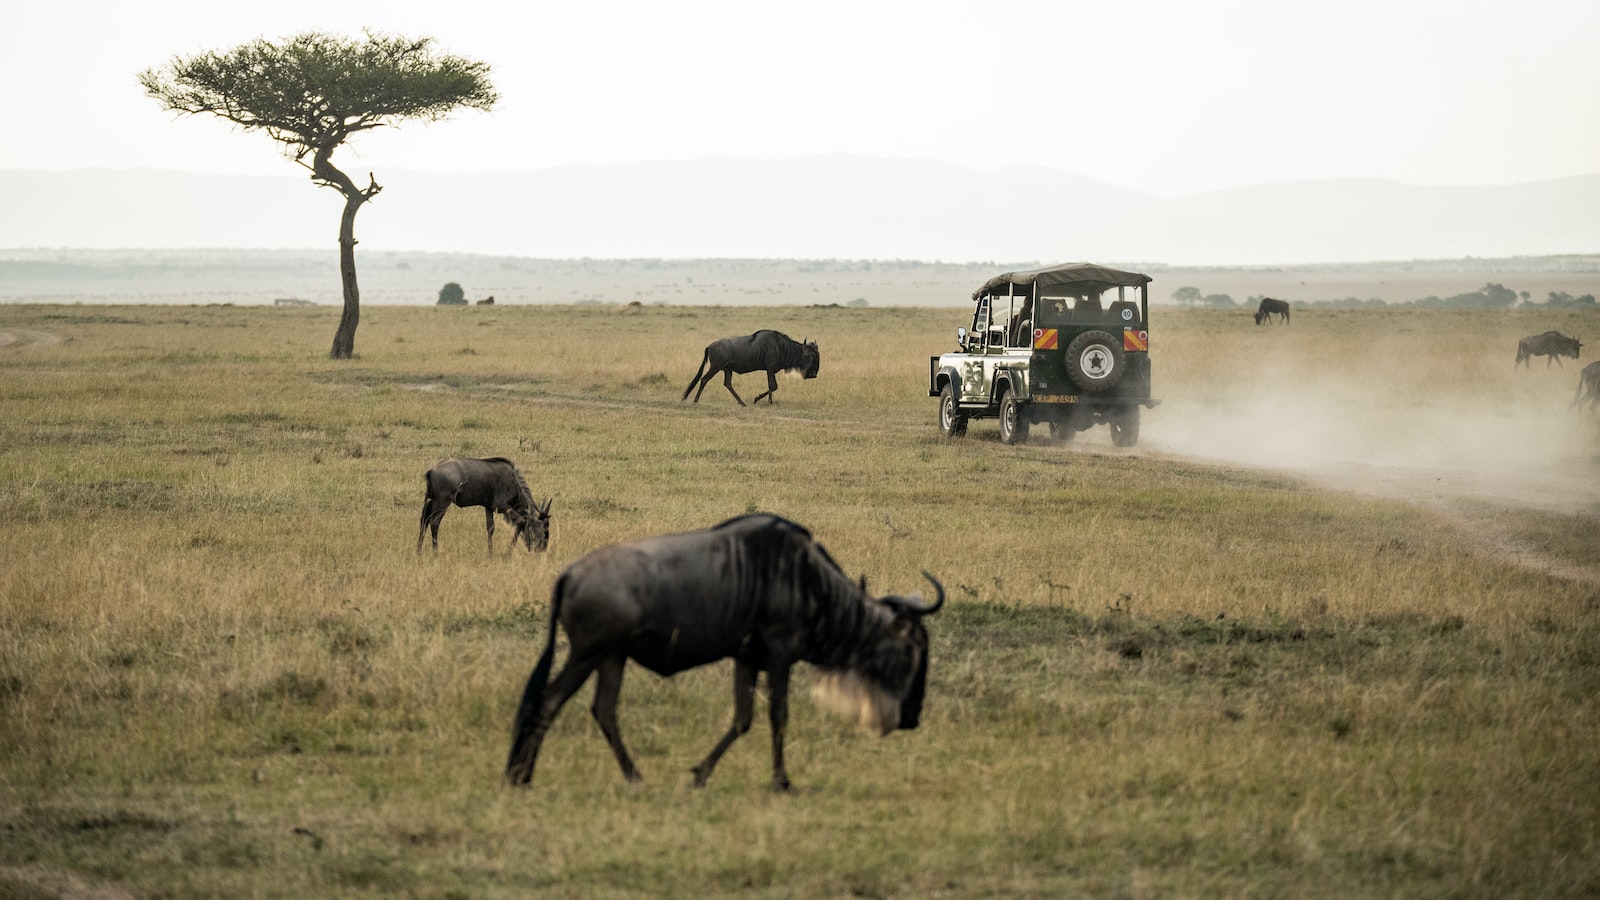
<point>1188,296</point>
<point>310,93</point>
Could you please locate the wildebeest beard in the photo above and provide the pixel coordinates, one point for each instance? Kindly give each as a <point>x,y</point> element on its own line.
<point>857,699</point>
<point>882,685</point>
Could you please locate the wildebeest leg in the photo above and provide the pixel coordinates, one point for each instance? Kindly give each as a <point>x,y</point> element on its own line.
<point>772,385</point>
<point>705,358</point>
<point>427,513</point>
<point>430,522</point>
<point>488,524</point>
<point>744,708</point>
<point>525,749</point>
<point>778,714</point>
<point>727,382</point>
<point>710,375</point>
<point>607,687</point>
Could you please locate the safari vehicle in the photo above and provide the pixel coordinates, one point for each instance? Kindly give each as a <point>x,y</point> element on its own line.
<point>1066,346</point>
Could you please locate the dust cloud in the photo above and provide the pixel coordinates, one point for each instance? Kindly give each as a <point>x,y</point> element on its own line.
<point>1504,449</point>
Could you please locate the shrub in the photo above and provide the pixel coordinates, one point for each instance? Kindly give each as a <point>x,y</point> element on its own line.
<point>452,295</point>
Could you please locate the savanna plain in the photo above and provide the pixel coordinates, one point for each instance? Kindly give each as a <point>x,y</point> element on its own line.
<point>1332,629</point>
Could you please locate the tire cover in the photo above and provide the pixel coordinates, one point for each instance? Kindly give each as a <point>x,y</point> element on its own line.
<point>1095,361</point>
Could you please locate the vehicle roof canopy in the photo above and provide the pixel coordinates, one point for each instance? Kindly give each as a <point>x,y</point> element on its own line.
<point>1087,274</point>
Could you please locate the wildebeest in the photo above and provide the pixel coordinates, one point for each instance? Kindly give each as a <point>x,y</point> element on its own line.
<point>756,589</point>
<point>494,484</point>
<point>1552,345</point>
<point>1588,383</point>
<point>765,350</point>
<point>1268,307</point>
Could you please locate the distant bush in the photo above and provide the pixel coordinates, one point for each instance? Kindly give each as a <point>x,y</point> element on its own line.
<point>1352,303</point>
<point>452,295</point>
<point>1490,296</point>
<point>1564,300</point>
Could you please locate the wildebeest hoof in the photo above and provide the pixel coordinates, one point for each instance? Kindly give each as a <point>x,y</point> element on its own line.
<point>781,786</point>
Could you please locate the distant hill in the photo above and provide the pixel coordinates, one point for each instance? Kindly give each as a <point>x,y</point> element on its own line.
<point>815,207</point>
<point>295,276</point>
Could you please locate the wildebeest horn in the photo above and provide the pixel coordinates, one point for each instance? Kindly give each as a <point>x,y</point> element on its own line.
<point>926,610</point>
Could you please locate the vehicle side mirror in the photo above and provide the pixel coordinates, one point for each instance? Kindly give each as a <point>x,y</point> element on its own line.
<point>961,336</point>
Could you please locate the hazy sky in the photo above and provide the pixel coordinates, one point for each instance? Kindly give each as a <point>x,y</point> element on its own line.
<point>1171,97</point>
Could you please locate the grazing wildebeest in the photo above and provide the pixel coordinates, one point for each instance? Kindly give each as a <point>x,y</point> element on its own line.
<point>1269,306</point>
<point>1588,382</point>
<point>1552,345</point>
<point>765,350</point>
<point>494,484</point>
<point>756,589</point>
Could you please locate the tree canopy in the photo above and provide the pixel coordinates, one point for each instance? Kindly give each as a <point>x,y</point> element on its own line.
<point>1188,295</point>
<point>313,91</point>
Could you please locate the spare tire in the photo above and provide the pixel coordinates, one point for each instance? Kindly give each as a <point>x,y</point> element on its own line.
<point>1095,361</point>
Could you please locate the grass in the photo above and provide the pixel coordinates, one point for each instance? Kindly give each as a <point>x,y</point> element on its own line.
<point>224,671</point>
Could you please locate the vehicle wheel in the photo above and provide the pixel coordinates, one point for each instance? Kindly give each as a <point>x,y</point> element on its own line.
<point>1013,427</point>
<point>1095,361</point>
<point>951,422</point>
<point>1069,421</point>
<point>1125,427</point>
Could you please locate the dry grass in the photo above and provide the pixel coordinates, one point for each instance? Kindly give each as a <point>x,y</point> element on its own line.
<point>1187,669</point>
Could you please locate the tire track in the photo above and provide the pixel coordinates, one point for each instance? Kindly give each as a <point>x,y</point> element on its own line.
<point>21,337</point>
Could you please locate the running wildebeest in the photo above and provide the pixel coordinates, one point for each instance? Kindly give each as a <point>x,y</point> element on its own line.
<point>1588,382</point>
<point>1552,345</point>
<point>494,484</point>
<point>756,589</point>
<point>765,350</point>
<point>1269,306</point>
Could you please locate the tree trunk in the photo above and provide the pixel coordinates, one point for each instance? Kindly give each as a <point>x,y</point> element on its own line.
<point>324,172</point>
<point>344,340</point>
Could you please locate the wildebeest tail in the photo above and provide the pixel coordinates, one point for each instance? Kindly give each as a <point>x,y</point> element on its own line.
<point>427,497</point>
<point>427,508</point>
<point>704,359</point>
<point>519,767</point>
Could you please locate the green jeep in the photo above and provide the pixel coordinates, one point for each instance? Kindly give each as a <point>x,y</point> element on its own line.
<point>1066,345</point>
